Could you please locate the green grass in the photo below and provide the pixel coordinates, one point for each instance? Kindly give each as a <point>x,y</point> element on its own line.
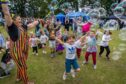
<point>45,70</point>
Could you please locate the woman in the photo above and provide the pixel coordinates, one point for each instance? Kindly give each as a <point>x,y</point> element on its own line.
<point>19,41</point>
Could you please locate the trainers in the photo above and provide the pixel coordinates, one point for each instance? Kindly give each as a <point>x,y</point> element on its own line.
<point>64,76</point>
<point>44,52</point>
<point>73,73</point>
<point>51,55</point>
<point>37,54</point>
<point>84,62</point>
<point>95,66</point>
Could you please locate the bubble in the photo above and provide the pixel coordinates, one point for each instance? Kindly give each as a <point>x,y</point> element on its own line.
<point>119,12</point>
<point>122,45</point>
<point>102,12</point>
<point>122,4</point>
<point>97,5</point>
<point>122,35</point>
<point>111,25</point>
<point>116,55</point>
<point>86,9</point>
<point>94,16</point>
<point>113,6</point>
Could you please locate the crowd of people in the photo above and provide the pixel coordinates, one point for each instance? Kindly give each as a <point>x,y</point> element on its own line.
<point>73,36</point>
<point>58,37</point>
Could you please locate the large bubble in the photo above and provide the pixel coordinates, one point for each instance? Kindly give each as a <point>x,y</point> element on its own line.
<point>113,6</point>
<point>116,55</point>
<point>86,9</point>
<point>97,5</point>
<point>122,35</point>
<point>111,25</point>
<point>119,12</point>
<point>102,12</point>
<point>94,16</point>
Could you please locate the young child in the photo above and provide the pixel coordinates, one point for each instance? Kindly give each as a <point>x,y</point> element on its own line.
<point>7,64</point>
<point>43,40</point>
<point>52,42</point>
<point>59,47</point>
<point>105,44</point>
<point>71,60</point>
<point>91,48</point>
<point>34,44</point>
<point>79,49</point>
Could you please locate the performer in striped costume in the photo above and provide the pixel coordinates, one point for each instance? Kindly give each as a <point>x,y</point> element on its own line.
<point>19,41</point>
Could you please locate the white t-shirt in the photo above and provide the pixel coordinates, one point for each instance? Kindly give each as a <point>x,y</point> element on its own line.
<point>43,38</point>
<point>71,49</point>
<point>105,40</point>
<point>33,42</point>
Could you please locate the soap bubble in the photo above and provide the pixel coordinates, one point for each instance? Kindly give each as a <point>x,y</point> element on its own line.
<point>119,12</point>
<point>111,25</point>
<point>102,12</point>
<point>94,16</point>
<point>97,5</point>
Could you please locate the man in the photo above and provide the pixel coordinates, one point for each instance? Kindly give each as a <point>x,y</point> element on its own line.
<point>19,41</point>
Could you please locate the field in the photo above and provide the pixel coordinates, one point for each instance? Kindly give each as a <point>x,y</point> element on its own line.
<point>43,69</point>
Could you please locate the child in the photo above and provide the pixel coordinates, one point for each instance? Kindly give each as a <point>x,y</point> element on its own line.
<point>91,48</point>
<point>34,42</point>
<point>79,49</point>
<point>105,44</point>
<point>71,60</point>
<point>52,41</point>
<point>7,64</point>
<point>43,40</point>
<point>59,47</point>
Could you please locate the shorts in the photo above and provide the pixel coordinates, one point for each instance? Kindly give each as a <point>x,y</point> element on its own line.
<point>52,44</point>
<point>71,63</point>
<point>43,44</point>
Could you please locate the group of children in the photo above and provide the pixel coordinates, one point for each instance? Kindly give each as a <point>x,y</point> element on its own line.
<point>58,41</point>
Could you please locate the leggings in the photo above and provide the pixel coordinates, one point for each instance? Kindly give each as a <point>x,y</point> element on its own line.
<point>102,50</point>
<point>35,49</point>
<point>93,56</point>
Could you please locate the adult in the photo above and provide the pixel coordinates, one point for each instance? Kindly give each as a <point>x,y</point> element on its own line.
<point>19,41</point>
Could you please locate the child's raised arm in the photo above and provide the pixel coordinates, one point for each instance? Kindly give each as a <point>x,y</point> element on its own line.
<point>60,41</point>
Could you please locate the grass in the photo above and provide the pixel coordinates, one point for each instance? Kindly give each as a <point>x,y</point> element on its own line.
<point>45,70</point>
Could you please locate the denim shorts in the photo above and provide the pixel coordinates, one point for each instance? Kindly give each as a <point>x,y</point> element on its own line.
<point>71,63</point>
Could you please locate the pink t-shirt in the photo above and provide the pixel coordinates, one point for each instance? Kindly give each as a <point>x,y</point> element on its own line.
<point>86,27</point>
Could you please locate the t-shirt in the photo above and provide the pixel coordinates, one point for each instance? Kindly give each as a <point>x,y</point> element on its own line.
<point>91,44</point>
<point>14,32</point>
<point>71,50</point>
<point>33,42</point>
<point>105,40</point>
<point>43,38</point>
